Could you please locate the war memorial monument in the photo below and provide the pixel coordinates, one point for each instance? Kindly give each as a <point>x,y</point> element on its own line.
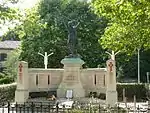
<point>80,82</point>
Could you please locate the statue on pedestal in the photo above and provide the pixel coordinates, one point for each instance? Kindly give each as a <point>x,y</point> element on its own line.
<point>72,38</point>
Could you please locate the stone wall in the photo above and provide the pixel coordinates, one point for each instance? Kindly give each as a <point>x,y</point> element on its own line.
<point>72,77</point>
<point>48,80</point>
<point>44,80</point>
<point>93,80</point>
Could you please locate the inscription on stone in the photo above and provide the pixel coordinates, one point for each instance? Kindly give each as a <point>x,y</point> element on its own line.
<point>20,72</point>
<point>70,77</point>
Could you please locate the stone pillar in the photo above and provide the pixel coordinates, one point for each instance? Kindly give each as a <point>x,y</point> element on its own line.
<point>71,78</point>
<point>22,91</point>
<point>111,93</point>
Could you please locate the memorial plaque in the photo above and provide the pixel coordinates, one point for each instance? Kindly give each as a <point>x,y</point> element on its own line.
<point>69,94</point>
<point>42,81</point>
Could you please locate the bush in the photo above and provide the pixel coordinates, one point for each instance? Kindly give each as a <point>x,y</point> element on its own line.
<point>7,93</point>
<point>6,80</point>
<point>132,89</point>
<point>2,75</point>
<point>11,63</point>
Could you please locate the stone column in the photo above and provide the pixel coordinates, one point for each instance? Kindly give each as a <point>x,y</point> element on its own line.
<point>22,91</point>
<point>111,93</point>
<point>71,78</point>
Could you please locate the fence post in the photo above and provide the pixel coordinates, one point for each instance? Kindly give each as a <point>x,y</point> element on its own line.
<point>90,108</point>
<point>118,108</point>
<point>99,108</point>
<point>63,108</point>
<point>16,106</point>
<point>49,107</point>
<point>24,106</point>
<point>41,107</point>
<point>138,109</point>
<point>3,107</point>
<point>8,107</point>
<point>32,107</point>
<point>57,107</point>
<point>148,105</point>
<point>134,103</point>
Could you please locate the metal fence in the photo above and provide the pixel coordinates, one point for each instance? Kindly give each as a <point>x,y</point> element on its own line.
<point>41,107</point>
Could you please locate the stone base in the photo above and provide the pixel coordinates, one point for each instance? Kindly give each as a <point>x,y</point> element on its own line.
<point>71,78</point>
<point>111,98</point>
<point>77,89</point>
<point>21,96</point>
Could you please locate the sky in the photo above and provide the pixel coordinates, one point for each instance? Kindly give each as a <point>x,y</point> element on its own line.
<point>22,4</point>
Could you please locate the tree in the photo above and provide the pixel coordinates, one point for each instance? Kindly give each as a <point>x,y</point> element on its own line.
<point>7,13</point>
<point>128,28</point>
<point>12,62</point>
<point>128,67</point>
<point>10,72</point>
<point>53,15</point>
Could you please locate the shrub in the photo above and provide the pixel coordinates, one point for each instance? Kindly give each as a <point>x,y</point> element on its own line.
<point>6,80</point>
<point>11,63</point>
<point>132,89</point>
<point>7,92</point>
<point>2,75</point>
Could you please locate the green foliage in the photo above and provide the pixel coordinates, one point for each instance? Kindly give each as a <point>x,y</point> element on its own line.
<point>131,90</point>
<point>45,31</point>
<point>2,75</point>
<point>129,24</point>
<point>128,66</point>
<point>76,111</point>
<point>8,13</point>
<point>6,80</point>
<point>7,93</point>
<point>10,35</point>
<point>12,63</point>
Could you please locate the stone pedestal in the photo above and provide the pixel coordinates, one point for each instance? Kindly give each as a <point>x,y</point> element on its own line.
<point>22,91</point>
<point>71,78</point>
<point>111,93</point>
<point>21,96</point>
<point>111,98</point>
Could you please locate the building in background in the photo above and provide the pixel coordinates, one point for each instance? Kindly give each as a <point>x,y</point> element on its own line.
<point>6,47</point>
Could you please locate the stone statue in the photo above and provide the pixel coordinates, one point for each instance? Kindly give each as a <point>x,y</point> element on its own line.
<point>72,38</point>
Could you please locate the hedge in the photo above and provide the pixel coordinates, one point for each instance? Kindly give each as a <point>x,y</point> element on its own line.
<point>132,89</point>
<point>7,92</point>
<point>6,80</point>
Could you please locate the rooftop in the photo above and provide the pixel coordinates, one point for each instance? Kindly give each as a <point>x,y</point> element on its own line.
<point>8,44</point>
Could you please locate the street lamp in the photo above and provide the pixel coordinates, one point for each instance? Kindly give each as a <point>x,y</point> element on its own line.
<point>147,74</point>
<point>138,66</point>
